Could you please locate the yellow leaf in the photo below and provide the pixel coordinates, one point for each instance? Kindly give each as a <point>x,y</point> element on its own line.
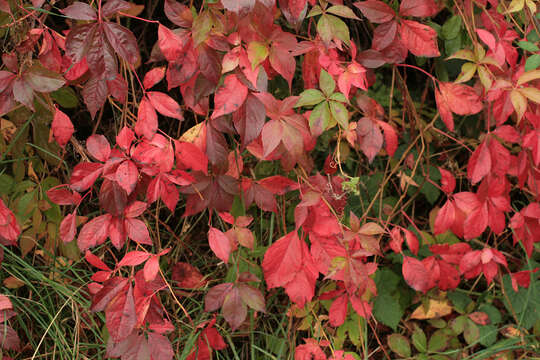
<point>515,5</point>
<point>436,309</point>
<point>12,282</point>
<point>531,93</point>
<point>485,77</point>
<point>467,72</point>
<point>531,5</point>
<point>528,76</point>
<point>519,102</point>
<point>371,228</point>
<point>464,55</point>
<point>193,134</point>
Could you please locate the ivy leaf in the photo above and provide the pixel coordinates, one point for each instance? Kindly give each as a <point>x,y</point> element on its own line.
<point>400,345</point>
<point>376,11</point>
<point>420,39</point>
<point>220,244</point>
<point>121,315</point>
<point>229,97</point>
<point>61,128</point>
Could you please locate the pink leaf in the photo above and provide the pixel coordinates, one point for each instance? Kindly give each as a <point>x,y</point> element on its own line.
<point>220,244</point>
<point>62,128</point>
<point>229,97</point>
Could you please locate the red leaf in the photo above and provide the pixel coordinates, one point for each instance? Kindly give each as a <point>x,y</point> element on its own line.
<point>309,351</point>
<point>418,8</point>
<point>94,232</point>
<point>251,296</point>
<point>376,11</point>
<point>220,244</point>
<point>160,347</point>
<point>479,163</point>
<point>98,147</point>
<point>238,6</point>
<point>125,138</point>
<point>80,11</point>
<point>137,231</point>
<point>476,222</point>
<point>94,95</point>
<point>95,261</point>
<point>457,98</point>
<point>287,263</point>
<point>134,258</point>
<point>390,137</point>
<point>147,122</point>
<point>135,209</point>
<point>282,61</point>
<point>187,276</point>
<point>123,41</point>
<point>127,176</point>
<point>68,228</point>
<point>191,157</point>
<point>369,137</point>
<point>165,105</point>
<point>215,296</point>
<point>415,274</point>
<point>110,289</point>
<point>234,310</point>
<point>153,76</point>
<point>151,268</point>
<point>9,228</point>
<point>296,7</point>
<point>420,39</point>
<point>170,44</point>
<point>479,317</point>
<point>121,316</point>
<point>278,185</point>
<point>271,134</point>
<point>412,241</point>
<point>118,88</point>
<point>445,218</point>
<point>229,97</point>
<point>338,310</point>
<point>448,182</point>
<point>62,128</point>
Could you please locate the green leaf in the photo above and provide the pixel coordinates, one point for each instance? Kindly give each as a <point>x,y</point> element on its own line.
<point>471,332</point>
<point>533,36</point>
<point>488,334</point>
<point>438,341</point>
<point>330,27</point>
<point>65,97</point>
<point>525,302</point>
<point>6,184</point>
<point>257,52</point>
<point>343,11</point>
<point>451,28</point>
<point>319,118</point>
<point>532,62</point>
<point>528,46</point>
<point>337,96</point>
<point>386,281</point>
<point>400,345</point>
<point>340,114</point>
<point>387,310</point>
<point>459,300</point>
<point>494,314</point>
<point>310,97</point>
<point>327,83</point>
<point>316,10</point>
<point>458,324</point>
<point>419,339</point>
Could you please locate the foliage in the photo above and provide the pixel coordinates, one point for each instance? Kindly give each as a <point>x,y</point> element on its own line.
<point>327,148</point>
